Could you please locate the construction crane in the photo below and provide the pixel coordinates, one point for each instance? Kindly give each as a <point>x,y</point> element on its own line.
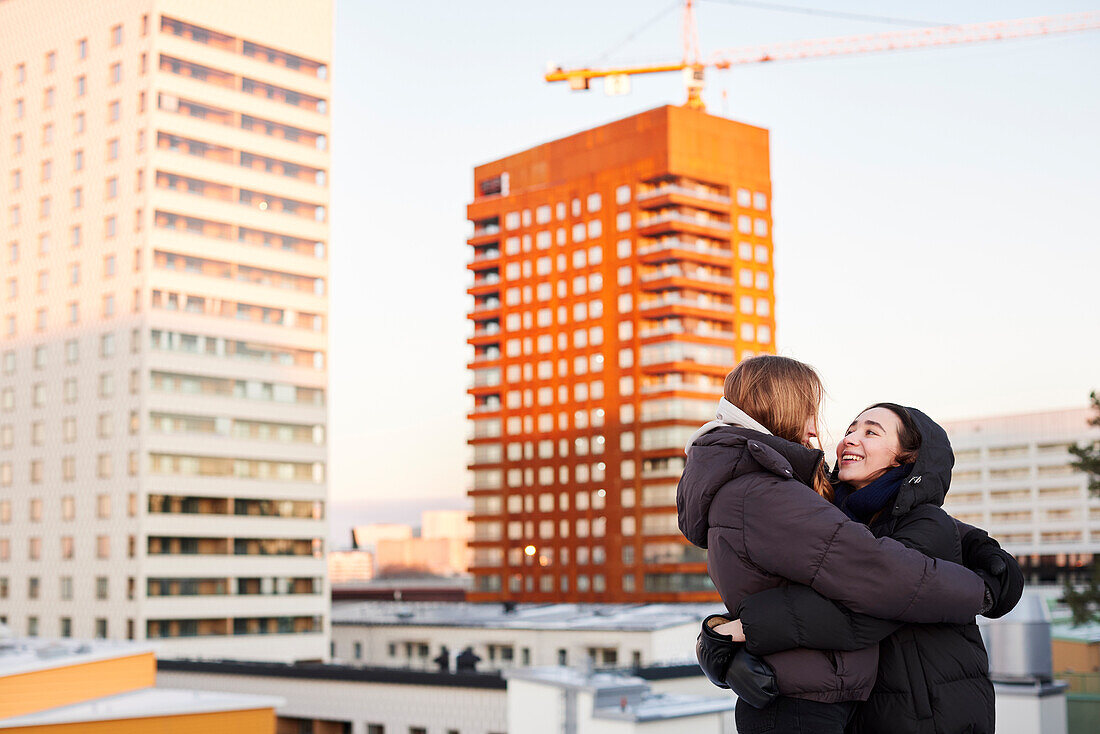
<point>692,65</point>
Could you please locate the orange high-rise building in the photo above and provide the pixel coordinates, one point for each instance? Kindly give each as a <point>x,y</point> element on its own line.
<point>619,274</point>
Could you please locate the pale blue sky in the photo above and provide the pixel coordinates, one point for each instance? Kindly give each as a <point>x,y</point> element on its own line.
<point>934,211</point>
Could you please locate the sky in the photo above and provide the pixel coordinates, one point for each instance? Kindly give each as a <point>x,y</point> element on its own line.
<point>934,211</point>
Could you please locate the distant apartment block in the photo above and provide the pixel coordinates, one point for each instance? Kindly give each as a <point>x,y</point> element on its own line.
<point>1013,477</point>
<point>440,549</point>
<point>367,536</point>
<point>164,323</point>
<point>350,566</point>
<point>618,275</point>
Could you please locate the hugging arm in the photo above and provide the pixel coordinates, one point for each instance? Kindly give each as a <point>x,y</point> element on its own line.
<point>797,616</point>
<point>984,554</point>
<point>813,543</point>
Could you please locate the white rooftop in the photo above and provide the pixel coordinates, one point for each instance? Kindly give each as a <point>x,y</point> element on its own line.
<point>28,654</point>
<point>621,617</point>
<point>144,703</point>
<point>624,697</point>
<point>660,706</point>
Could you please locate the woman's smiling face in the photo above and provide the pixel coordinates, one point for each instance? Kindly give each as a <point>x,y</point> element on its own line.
<point>870,447</point>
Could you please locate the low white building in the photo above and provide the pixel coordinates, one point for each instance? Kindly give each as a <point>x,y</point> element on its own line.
<point>340,699</point>
<point>413,635</point>
<point>1013,477</point>
<point>554,700</point>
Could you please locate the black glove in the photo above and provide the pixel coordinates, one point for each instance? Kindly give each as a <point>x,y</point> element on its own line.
<point>728,665</point>
<point>984,554</point>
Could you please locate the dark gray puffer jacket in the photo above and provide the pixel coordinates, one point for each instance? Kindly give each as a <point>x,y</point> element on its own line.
<point>745,497</point>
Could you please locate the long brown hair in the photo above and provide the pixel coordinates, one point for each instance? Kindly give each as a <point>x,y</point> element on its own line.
<point>780,393</point>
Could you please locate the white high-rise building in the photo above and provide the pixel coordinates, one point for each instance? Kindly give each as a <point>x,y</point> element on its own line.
<point>164,321</point>
<point>1013,477</point>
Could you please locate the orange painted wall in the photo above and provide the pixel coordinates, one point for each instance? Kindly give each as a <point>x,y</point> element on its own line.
<point>256,721</point>
<point>53,687</point>
<point>1075,656</point>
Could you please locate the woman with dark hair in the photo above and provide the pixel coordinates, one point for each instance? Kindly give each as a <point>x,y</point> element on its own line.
<point>893,470</point>
<point>754,494</point>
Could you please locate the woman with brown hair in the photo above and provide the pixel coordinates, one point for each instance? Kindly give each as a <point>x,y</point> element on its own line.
<point>754,493</point>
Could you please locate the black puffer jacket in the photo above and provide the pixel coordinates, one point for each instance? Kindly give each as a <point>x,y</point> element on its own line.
<point>932,678</point>
<point>744,496</point>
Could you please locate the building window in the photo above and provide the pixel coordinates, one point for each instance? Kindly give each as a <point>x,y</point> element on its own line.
<point>103,466</point>
<point>116,35</point>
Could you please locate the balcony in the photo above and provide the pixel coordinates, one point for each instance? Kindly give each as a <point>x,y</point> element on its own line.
<point>672,298</point>
<point>484,228</point>
<point>672,191</point>
<point>486,255</point>
<point>675,382</point>
<point>490,304</point>
<point>691,273</point>
<point>488,229</point>
<point>492,277</point>
<point>695,218</point>
<point>678,328</point>
<point>486,328</point>
<point>666,244</point>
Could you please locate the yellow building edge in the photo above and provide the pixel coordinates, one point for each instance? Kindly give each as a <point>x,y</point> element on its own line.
<point>254,721</point>
<point>69,683</point>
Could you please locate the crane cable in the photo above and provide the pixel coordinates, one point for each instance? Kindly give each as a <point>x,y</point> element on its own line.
<point>634,33</point>
<point>781,8</point>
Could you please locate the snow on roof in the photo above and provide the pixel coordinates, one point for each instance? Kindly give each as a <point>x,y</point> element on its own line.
<point>622,617</point>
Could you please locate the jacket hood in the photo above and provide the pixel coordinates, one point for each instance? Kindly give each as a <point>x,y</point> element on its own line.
<point>930,477</point>
<point>726,453</point>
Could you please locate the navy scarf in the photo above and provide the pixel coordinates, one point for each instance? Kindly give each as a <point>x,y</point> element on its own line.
<point>861,505</point>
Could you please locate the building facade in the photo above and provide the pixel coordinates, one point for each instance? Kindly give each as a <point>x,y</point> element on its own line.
<point>1013,477</point>
<point>163,322</point>
<point>618,275</point>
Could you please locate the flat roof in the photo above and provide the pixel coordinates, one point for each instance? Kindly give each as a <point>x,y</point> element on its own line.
<point>494,615</point>
<point>492,679</point>
<point>145,703</point>
<point>661,706</point>
<point>1089,632</point>
<point>336,671</point>
<point>634,699</point>
<point>28,654</point>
